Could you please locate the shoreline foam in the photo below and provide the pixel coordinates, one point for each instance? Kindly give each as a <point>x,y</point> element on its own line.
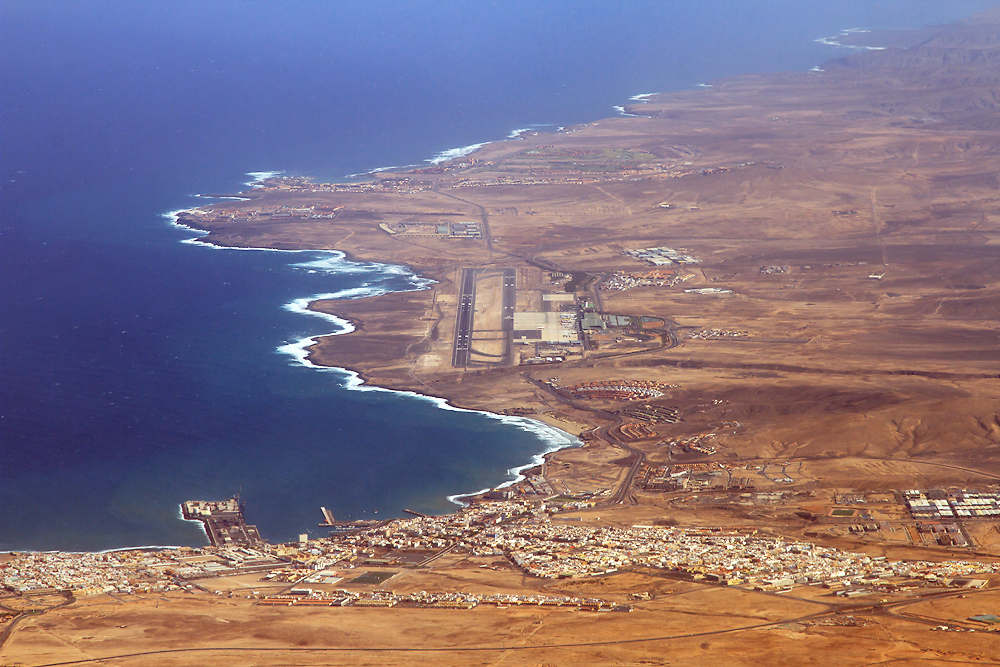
<point>147,547</point>
<point>833,41</point>
<point>621,112</point>
<point>378,170</point>
<point>201,524</point>
<point>259,176</point>
<point>532,127</point>
<point>553,437</point>
<point>455,153</point>
<point>335,261</point>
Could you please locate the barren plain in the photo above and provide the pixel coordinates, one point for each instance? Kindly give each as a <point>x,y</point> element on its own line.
<point>789,281</point>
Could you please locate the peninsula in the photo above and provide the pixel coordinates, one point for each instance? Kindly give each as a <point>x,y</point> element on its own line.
<point>770,309</point>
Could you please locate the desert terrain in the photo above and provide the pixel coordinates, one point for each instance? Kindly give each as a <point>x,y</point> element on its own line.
<point>842,231</point>
<point>771,305</point>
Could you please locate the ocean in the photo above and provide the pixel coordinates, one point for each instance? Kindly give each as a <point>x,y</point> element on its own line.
<point>139,369</point>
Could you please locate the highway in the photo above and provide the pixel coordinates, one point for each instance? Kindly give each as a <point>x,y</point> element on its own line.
<point>464,320</point>
<point>625,493</point>
<point>21,613</point>
<point>828,610</point>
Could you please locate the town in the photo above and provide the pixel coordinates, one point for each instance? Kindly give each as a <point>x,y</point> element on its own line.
<point>530,535</point>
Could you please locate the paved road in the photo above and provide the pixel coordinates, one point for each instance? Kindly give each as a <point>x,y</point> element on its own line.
<point>625,493</point>
<point>8,632</point>
<point>466,314</point>
<point>595,292</point>
<point>828,611</point>
<point>484,217</point>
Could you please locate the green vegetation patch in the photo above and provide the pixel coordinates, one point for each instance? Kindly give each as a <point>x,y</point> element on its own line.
<point>373,578</point>
<point>986,618</point>
<point>577,282</point>
<point>843,512</point>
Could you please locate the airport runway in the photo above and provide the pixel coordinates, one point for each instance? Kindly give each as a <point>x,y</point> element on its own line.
<point>509,298</point>
<point>463,323</point>
<point>509,303</point>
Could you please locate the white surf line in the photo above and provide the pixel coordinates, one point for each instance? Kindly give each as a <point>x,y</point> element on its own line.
<point>621,112</point>
<point>455,153</point>
<point>834,40</point>
<point>259,176</point>
<point>553,437</point>
<point>337,262</point>
<point>148,547</point>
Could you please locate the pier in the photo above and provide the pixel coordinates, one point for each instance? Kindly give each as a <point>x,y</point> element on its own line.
<point>223,522</point>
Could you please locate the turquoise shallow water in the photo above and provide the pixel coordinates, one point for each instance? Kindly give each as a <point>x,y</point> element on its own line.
<point>137,371</point>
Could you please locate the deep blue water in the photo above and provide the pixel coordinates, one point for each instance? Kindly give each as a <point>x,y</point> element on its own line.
<point>137,371</point>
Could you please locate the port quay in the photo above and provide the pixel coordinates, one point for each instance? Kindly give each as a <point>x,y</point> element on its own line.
<point>530,536</point>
